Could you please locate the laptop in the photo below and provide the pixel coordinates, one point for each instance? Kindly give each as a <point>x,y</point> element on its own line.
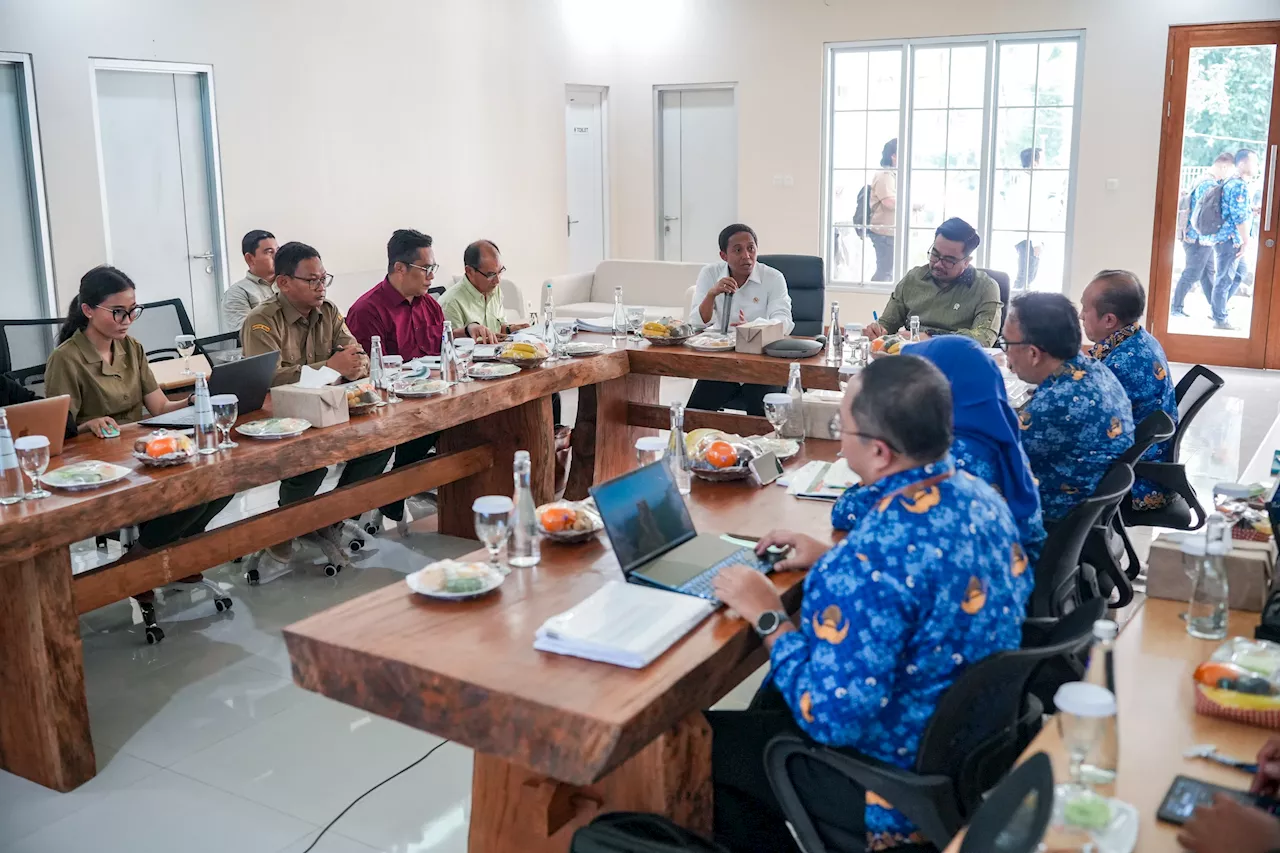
<point>248,378</point>
<point>41,417</point>
<point>649,527</point>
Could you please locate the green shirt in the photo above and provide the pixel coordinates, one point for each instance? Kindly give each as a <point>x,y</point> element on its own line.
<point>971,309</point>
<point>464,305</point>
<point>98,389</point>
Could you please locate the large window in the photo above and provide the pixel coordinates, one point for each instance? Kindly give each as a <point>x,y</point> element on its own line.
<point>921,131</point>
<point>24,240</point>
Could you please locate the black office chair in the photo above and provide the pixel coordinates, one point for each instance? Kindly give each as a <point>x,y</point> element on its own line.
<point>1070,666</point>
<point>969,745</point>
<point>1016,815</point>
<point>157,326</point>
<point>25,346</point>
<point>1002,280</point>
<point>806,284</point>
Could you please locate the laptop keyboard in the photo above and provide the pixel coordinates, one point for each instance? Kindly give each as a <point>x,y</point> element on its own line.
<point>182,417</point>
<point>701,585</point>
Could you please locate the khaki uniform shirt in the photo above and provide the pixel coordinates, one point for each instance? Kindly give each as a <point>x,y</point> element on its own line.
<point>276,326</point>
<point>98,389</point>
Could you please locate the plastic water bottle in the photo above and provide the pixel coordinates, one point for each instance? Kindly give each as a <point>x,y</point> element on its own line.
<point>619,316</point>
<point>522,547</point>
<point>448,370</point>
<point>206,431</point>
<point>914,325</point>
<point>377,373</point>
<point>10,474</point>
<point>835,338</point>
<point>1102,671</point>
<point>677,457</point>
<point>548,311</point>
<point>793,426</point>
<point>1207,611</point>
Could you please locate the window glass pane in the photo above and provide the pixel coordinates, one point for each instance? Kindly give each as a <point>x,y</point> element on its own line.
<point>928,193</point>
<point>849,140</point>
<point>964,139</point>
<point>1011,205</point>
<point>1017,72</point>
<point>882,126</point>
<point>929,139</point>
<point>962,196</point>
<point>968,76</point>
<point>23,279</point>
<point>885,72</point>
<point>845,185</point>
<point>848,256</point>
<point>1053,134</point>
<point>850,79</point>
<point>1057,83</point>
<point>1013,136</point>
<point>1003,253</point>
<point>931,77</point>
<point>918,248</point>
<point>1052,260</point>
<point>1048,200</point>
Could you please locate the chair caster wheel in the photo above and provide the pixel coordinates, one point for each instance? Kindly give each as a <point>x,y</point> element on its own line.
<point>356,545</point>
<point>330,569</point>
<point>371,529</point>
<point>252,577</point>
<point>221,604</point>
<point>154,635</point>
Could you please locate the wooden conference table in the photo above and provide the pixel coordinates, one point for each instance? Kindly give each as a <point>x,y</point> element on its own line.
<point>44,720</point>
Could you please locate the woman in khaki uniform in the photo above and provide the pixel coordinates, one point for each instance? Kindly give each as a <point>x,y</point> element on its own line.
<point>106,375</point>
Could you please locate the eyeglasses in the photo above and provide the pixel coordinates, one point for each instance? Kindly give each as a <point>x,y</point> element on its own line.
<point>321,283</point>
<point>944,260</point>
<point>121,314</point>
<point>491,276</point>
<point>836,427</point>
<point>429,269</point>
<point>1004,343</point>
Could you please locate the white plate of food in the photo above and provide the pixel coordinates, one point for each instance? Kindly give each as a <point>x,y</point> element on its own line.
<point>492,370</point>
<point>711,343</point>
<point>422,387</point>
<point>274,428</point>
<point>453,580</point>
<point>569,521</point>
<point>89,474</point>
<point>578,349</point>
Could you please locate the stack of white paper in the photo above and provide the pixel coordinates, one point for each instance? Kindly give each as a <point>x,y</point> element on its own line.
<point>603,325</point>
<point>822,481</point>
<point>623,624</point>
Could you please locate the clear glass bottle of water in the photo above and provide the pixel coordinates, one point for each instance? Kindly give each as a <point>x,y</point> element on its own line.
<point>677,457</point>
<point>10,474</point>
<point>914,326</point>
<point>1101,670</point>
<point>206,427</point>
<point>448,369</point>
<point>793,426</point>
<point>1087,722</point>
<point>835,338</point>
<point>619,316</point>
<point>548,307</point>
<point>377,373</point>
<point>522,548</point>
<point>1207,611</point>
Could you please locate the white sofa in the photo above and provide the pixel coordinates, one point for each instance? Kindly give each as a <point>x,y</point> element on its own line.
<point>662,287</point>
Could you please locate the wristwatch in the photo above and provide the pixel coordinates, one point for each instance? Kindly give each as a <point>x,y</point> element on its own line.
<point>769,621</point>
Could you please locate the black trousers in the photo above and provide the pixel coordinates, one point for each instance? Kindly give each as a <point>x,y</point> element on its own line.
<point>303,486</point>
<point>748,817</point>
<point>168,529</point>
<point>712,396</point>
<point>407,454</point>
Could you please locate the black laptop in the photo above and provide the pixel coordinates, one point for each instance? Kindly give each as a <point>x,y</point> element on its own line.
<point>248,378</point>
<point>653,536</point>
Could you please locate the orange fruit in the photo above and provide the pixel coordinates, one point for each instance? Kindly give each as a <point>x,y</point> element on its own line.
<point>877,345</point>
<point>158,447</point>
<point>721,455</point>
<point>557,519</point>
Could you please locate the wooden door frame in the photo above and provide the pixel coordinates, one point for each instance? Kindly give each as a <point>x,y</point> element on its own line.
<point>1262,349</point>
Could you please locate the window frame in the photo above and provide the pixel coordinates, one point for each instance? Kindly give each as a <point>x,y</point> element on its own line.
<point>987,166</point>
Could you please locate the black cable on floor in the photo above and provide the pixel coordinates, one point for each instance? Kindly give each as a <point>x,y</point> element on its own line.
<point>370,791</point>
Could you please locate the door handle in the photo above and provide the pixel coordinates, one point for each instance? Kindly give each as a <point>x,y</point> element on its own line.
<point>1271,188</point>
<point>670,218</point>
<point>207,256</point>
<point>569,223</point>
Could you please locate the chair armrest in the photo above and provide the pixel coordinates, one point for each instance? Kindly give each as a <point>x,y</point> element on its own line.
<point>929,802</point>
<point>573,288</point>
<point>1036,630</point>
<point>1173,476</point>
<point>201,343</point>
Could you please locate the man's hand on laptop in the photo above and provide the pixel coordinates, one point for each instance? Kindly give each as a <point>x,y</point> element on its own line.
<point>805,550</point>
<point>101,427</point>
<point>747,591</point>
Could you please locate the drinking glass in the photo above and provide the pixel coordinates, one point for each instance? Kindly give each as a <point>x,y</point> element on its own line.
<point>226,408</point>
<point>463,350</point>
<point>564,332</point>
<point>391,367</point>
<point>650,449</point>
<point>493,518</point>
<point>33,457</point>
<point>1086,718</point>
<point>777,409</point>
<point>635,320</point>
<point>186,346</point>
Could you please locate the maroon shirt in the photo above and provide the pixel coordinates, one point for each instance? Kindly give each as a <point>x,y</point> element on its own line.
<point>409,329</point>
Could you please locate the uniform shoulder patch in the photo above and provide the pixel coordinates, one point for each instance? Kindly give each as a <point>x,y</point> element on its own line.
<point>259,327</point>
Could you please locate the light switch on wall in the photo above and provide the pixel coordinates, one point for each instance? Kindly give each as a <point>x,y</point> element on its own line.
<point>1113,184</point>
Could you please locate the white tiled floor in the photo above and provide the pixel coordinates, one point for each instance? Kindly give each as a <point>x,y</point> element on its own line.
<point>204,743</point>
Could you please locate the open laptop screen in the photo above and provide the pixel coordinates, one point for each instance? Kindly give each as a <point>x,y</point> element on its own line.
<point>643,514</point>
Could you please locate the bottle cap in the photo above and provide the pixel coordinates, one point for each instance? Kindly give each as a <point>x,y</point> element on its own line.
<point>1105,629</point>
<point>492,504</point>
<point>1085,700</point>
<point>651,443</point>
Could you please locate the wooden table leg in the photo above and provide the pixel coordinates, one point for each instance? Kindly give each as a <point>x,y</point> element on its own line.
<point>526,427</point>
<point>516,809</point>
<point>44,716</point>
<point>603,443</point>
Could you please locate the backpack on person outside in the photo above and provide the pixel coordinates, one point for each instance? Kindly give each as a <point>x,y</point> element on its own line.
<point>1207,216</point>
<point>862,213</point>
<point>637,832</point>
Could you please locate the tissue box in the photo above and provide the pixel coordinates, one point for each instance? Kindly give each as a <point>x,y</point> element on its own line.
<point>1250,567</point>
<point>819,407</point>
<point>323,407</point>
<point>753,339</point>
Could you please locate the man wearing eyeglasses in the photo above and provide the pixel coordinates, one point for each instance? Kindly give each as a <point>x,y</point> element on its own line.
<point>948,294</point>
<point>1079,419</point>
<point>474,304</point>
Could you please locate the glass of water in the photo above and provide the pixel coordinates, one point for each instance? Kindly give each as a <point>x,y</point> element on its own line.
<point>33,457</point>
<point>635,320</point>
<point>777,409</point>
<point>226,408</point>
<point>650,449</point>
<point>493,520</point>
<point>564,332</point>
<point>186,346</point>
<point>463,350</point>
<point>1086,721</point>
<point>391,367</point>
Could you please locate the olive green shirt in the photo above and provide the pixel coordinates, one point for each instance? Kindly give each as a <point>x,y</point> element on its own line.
<point>98,389</point>
<point>276,326</point>
<point>951,308</point>
<point>464,305</point>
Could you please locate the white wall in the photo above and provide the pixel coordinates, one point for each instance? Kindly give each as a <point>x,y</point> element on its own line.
<point>341,121</point>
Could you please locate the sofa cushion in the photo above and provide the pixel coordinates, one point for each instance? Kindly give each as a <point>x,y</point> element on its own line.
<point>658,283</point>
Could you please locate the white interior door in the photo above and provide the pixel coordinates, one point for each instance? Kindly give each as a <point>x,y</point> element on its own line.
<point>699,180</point>
<point>584,153</point>
<point>24,293</point>
<point>158,203</point>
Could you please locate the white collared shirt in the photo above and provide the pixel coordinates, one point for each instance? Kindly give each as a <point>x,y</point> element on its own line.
<point>764,295</point>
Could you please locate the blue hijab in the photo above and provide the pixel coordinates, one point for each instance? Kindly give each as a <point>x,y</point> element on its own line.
<point>983,414</point>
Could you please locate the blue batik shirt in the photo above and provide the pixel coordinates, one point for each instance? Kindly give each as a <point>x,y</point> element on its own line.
<point>1076,424</point>
<point>979,460</point>
<point>1235,210</point>
<point>1138,361</point>
<point>930,579</point>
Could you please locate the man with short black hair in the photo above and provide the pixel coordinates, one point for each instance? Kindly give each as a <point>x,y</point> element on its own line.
<point>1078,421</point>
<point>930,580</point>
<point>259,250</point>
<point>474,304</point>
<point>1111,308</point>
<point>950,296</point>
<point>737,290</point>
